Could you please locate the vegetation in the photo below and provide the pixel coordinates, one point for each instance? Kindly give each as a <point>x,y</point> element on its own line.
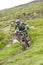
<point>9,51</point>
<point>34,55</point>
<point>4,38</point>
<point>28,11</point>
<point>32,14</point>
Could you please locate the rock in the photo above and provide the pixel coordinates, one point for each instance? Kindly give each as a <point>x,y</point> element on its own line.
<point>14,41</point>
<point>8,45</point>
<point>6,28</point>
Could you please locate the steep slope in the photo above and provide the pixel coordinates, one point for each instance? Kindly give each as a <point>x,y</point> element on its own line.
<point>34,54</point>
<point>28,11</point>
<point>32,13</point>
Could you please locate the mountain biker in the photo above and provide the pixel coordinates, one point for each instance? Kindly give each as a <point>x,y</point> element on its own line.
<point>21,26</point>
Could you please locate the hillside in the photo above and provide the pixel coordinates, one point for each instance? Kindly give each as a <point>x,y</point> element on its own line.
<point>10,53</point>
<point>27,11</point>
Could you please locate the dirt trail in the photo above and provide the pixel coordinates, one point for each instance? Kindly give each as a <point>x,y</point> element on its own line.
<point>11,41</point>
<point>13,56</point>
<point>8,44</point>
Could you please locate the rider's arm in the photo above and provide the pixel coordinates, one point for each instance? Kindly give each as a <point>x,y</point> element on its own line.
<point>15,26</point>
<point>27,26</point>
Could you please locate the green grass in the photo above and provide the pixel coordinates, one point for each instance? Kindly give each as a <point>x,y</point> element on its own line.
<point>4,38</point>
<point>35,22</point>
<point>17,12</point>
<point>9,51</point>
<point>34,55</point>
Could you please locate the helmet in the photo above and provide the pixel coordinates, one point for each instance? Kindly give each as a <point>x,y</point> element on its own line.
<point>17,21</point>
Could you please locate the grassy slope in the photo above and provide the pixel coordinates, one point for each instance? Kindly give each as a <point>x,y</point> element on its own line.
<point>17,12</point>
<point>9,51</point>
<point>9,15</point>
<point>34,55</point>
